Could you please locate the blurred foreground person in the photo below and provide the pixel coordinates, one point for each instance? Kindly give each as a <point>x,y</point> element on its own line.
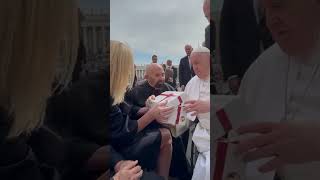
<point>128,136</point>
<point>31,33</point>
<point>282,87</point>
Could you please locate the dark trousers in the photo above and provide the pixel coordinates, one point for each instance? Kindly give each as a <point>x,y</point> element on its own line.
<point>180,166</point>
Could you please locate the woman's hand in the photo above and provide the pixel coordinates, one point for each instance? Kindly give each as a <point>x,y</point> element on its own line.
<point>287,143</point>
<point>129,171</point>
<point>121,164</point>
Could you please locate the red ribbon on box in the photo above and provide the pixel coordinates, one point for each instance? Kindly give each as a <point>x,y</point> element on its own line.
<point>224,120</point>
<point>179,110</point>
<point>179,106</point>
<point>222,147</point>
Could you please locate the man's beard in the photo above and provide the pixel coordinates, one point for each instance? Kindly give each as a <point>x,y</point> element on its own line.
<point>159,84</point>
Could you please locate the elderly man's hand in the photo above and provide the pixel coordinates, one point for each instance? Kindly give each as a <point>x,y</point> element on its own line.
<point>150,100</point>
<point>197,107</point>
<point>143,111</point>
<point>288,143</point>
<point>121,164</point>
<point>161,112</point>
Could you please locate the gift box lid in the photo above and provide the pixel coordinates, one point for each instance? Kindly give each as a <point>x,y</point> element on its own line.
<point>173,98</point>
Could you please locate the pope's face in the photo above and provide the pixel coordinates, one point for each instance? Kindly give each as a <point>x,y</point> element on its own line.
<point>294,24</point>
<point>201,64</point>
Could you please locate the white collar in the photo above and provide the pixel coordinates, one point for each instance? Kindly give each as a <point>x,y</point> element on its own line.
<point>205,80</point>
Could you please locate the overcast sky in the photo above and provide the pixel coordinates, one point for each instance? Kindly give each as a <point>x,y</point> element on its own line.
<point>157,27</point>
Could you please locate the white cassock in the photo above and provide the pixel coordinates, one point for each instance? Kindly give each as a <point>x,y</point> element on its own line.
<point>198,89</point>
<point>279,88</point>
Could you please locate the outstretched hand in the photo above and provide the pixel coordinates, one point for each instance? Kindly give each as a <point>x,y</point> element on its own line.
<point>197,107</point>
<point>287,143</point>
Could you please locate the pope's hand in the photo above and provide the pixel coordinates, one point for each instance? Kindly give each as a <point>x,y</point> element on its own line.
<point>197,107</point>
<point>287,143</point>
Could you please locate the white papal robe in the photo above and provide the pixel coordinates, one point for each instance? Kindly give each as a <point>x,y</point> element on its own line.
<point>272,77</point>
<point>198,89</point>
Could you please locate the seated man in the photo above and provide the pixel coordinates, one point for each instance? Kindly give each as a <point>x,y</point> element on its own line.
<point>198,90</point>
<point>154,85</point>
<point>136,98</point>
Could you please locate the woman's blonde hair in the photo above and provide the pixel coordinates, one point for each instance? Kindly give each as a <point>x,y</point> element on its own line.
<point>121,70</point>
<point>30,35</point>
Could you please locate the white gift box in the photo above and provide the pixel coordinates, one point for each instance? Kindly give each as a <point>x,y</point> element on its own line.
<point>176,100</point>
<point>229,114</point>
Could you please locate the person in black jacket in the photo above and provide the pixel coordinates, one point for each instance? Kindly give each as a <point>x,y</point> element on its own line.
<point>243,36</point>
<point>210,40</point>
<point>136,98</point>
<point>185,67</point>
<point>152,147</point>
<point>210,30</point>
<point>154,85</point>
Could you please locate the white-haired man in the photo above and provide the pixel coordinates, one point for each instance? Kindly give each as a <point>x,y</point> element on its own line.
<point>198,90</point>
<point>282,87</point>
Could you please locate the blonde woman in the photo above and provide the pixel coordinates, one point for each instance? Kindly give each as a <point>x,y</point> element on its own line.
<point>129,136</point>
<point>30,32</point>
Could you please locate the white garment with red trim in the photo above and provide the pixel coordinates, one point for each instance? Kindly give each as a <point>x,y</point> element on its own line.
<point>198,89</point>
<point>263,89</point>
